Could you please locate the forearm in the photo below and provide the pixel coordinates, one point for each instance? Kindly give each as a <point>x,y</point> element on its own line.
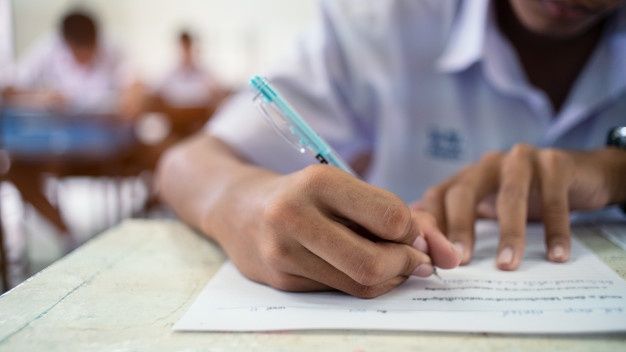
<point>205,183</point>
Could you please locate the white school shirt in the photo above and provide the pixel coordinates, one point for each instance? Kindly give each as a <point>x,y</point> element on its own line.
<point>427,86</point>
<point>50,65</point>
<point>187,86</point>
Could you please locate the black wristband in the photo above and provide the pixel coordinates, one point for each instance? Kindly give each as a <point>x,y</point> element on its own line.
<point>616,138</point>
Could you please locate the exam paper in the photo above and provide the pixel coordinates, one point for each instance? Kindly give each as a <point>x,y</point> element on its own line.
<point>581,296</point>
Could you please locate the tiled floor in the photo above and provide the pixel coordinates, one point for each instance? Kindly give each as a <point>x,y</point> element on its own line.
<point>89,206</point>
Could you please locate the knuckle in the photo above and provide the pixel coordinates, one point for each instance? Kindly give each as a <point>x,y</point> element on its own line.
<point>461,192</point>
<point>315,178</point>
<point>276,254</point>
<point>283,282</point>
<point>552,159</point>
<point>366,292</point>
<point>521,150</point>
<point>433,195</point>
<point>275,214</point>
<point>281,212</point>
<point>427,218</point>
<point>369,271</point>
<point>491,157</point>
<point>397,219</point>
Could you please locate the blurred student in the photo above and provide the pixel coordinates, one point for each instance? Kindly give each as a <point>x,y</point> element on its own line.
<point>75,70</point>
<point>188,84</point>
<point>71,72</point>
<point>472,107</point>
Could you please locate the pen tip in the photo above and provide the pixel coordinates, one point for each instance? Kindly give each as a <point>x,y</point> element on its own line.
<point>436,274</point>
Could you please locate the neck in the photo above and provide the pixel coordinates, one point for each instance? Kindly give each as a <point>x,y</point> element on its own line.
<point>551,64</point>
<point>519,34</point>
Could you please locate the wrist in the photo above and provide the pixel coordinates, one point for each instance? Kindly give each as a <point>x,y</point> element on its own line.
<point>230,210</point>
<point>615,174</point>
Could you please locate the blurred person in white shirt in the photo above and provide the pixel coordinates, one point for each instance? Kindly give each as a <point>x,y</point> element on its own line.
<point>75,70</point>
<point>188,84</point>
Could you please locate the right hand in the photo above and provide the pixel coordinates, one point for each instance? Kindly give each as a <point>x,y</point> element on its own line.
<point>321,229</point>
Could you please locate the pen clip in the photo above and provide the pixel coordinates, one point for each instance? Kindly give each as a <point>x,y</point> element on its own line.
<point>281,125</point>
<point>289,124</point>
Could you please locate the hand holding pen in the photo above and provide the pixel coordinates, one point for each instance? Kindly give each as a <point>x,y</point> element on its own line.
<point>384,242</point>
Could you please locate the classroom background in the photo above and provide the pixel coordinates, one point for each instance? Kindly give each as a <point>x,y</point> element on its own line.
<point>232,40</point>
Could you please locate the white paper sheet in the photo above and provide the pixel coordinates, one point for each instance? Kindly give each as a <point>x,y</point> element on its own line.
<point>583,295</point>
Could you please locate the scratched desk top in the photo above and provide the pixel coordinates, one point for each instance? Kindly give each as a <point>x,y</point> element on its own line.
<point>124,290</point>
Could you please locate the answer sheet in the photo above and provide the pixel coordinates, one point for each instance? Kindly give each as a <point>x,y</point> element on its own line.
<point>581,296</point>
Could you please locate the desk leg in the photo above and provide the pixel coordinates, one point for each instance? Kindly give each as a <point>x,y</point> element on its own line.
<point>4,263</point>
<point>28,181</point>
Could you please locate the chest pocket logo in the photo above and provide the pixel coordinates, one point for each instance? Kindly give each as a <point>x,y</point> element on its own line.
<point>445,144</point>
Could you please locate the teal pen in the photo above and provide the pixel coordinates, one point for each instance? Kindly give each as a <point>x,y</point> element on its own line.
<point>289,124</point>
<point>286,120</point>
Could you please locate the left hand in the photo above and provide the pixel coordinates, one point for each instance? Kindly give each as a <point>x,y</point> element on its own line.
<point>523,183</point>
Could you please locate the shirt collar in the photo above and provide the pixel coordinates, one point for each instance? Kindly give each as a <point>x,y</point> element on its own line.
<point>475,37</point>
<point>466,41</point>
<point>601,82</point>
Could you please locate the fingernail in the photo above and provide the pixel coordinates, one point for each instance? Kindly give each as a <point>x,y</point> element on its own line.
<point>423,270</point>
<point>459,249</point>
<point>557,253</point>
<point>421,244</point>
<point>505,256</point>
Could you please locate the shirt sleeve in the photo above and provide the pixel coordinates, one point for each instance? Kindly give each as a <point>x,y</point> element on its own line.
<point>123,71</point>
<point>30,71</point>
<point>317,79</point>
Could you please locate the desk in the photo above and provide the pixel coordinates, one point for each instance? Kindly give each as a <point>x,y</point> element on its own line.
<point>46,143</point>
<point>125,289</point>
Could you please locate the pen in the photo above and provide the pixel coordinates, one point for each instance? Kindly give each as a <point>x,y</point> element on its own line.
<point>289,124</point>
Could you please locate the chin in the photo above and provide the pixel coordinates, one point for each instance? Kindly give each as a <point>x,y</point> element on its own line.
<point>558,30</point>
<point>560,19</point>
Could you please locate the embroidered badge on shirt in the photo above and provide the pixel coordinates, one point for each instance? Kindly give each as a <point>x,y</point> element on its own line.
<point>445,144</point>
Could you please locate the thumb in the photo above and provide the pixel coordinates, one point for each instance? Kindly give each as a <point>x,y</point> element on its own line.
<point>442,252</point>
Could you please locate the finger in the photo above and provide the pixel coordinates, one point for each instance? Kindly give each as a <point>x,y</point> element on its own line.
<point>462,198</point>
<point>433,202</point>
<point>516,176</point>
<point>325,275</point>
<point>487,208</point>
<point>380,212</point>
<point>433,242</point>
<point>366,262</point>
<point>554,176</point>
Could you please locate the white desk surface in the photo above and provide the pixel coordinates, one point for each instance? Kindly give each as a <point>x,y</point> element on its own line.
<point>125,289</point>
